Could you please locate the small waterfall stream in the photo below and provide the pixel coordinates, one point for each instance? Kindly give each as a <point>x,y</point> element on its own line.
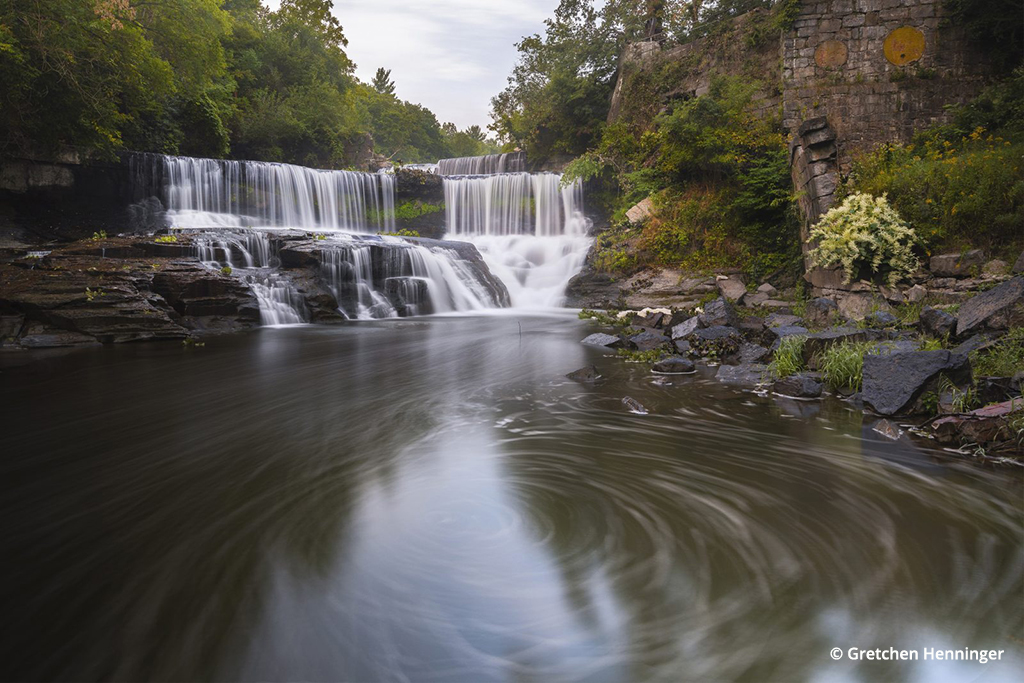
<point>530,229</point>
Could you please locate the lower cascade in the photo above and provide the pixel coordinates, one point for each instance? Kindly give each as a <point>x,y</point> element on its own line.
<point>364,277</point>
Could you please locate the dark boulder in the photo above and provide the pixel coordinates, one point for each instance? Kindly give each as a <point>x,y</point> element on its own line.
<point>648,340</point>
<point>682,346</point>
<point>718,341</point>
<point>816,343</point>
<point>588,373</point>
<point>893,382</point>
<point>821,311</point>
<point>719,313</point>
<point>800,385</point>
<point>936,322</point>
<point>996,309</point>
<point>674,365</point>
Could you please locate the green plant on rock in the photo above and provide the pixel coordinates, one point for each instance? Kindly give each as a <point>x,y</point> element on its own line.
<point>865,234</point>
<point>91,294</point>
<point>164,239</point>
<point>1005,359</point>
<point>400,233</point>
<point>226,270</point>
<point>788,358</point>
<point>842,365</point>
<point>97,236</point>
<point>632,356</point>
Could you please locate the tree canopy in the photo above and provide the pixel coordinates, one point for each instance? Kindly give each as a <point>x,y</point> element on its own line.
<point>204,78</point>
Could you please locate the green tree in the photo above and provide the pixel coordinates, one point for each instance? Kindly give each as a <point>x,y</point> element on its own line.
<point>382,82</point>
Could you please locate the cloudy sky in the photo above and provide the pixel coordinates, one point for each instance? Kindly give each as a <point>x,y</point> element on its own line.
<point>451,56</point>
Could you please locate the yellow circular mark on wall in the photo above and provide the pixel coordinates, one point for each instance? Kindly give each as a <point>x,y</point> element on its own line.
<point>830,54</point>
<point>904,45</point>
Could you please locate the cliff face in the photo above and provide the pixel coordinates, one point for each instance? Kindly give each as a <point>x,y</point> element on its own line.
<point>877,70</point>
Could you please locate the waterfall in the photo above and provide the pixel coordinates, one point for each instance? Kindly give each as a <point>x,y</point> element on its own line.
<point>530,230</point>
<point>389,277</point>
<point>511,162</point>
<point>205,193</point>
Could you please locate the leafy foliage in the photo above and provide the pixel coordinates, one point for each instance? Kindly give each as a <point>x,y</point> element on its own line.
<point>865,235</point>
<point>1005,359</point>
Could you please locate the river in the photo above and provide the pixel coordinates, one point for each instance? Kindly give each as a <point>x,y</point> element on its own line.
<point>432,500</point>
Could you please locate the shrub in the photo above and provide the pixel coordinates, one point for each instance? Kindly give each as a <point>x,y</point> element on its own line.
<point>865,234</point>
<point>789,357</point>
<point>953,194</point>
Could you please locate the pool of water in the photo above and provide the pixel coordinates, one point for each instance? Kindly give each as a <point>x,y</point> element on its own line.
<point>432,500</point>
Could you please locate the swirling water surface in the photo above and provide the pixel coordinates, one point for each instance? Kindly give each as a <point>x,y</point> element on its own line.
<point>431,500</point>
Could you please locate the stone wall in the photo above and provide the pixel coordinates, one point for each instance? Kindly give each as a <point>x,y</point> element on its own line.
<point>878,70</point>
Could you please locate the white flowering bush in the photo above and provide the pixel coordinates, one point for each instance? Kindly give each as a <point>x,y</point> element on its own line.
<point>862,234</point>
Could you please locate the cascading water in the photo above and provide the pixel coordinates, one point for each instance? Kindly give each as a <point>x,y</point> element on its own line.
<point>530,229</point>
<point>510,162</point>
<point>203,193</point>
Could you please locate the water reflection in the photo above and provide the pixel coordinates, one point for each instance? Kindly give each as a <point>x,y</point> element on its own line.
<point>432,500</point>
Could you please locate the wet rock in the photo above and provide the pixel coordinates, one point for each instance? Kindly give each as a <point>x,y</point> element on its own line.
<point>749,375</point>
<point>800,385</point>
<point>719,313</point>
<point>732,288</point>
<point>682,346</point>
<point>588,373</point>
<point>892,382</point>
<point>821,311</point>
<point>648,340</point>
<point>601,339</point>
<point>684,329</point>
<point>936,322</point>
<point>197,292</point>
<point>591,289</point>
<point>957,265</point>
<point>37,335</point>
<point>674,365</point>
<point>888,429</point>
<point>633,405</point>
<point>996,309</point>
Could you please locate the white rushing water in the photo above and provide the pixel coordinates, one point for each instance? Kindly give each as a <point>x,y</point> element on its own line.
<point>204,193</point>
<point>510,162</point>
<point>530,230</point>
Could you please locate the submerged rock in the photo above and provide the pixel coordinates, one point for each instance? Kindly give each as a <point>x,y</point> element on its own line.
<point>588,373</point>
<point>749,375</point>
<point>988,427</point>
<point>800,385</point>
<point>894,381</point>
<point>674,365</point>
<point>633,405</point>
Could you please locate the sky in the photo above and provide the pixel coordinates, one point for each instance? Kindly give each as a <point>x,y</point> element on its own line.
<point>451,56</point>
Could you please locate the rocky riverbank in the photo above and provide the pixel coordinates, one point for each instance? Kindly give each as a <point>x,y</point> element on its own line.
<point>950,370</point>
<point>177,286</point>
